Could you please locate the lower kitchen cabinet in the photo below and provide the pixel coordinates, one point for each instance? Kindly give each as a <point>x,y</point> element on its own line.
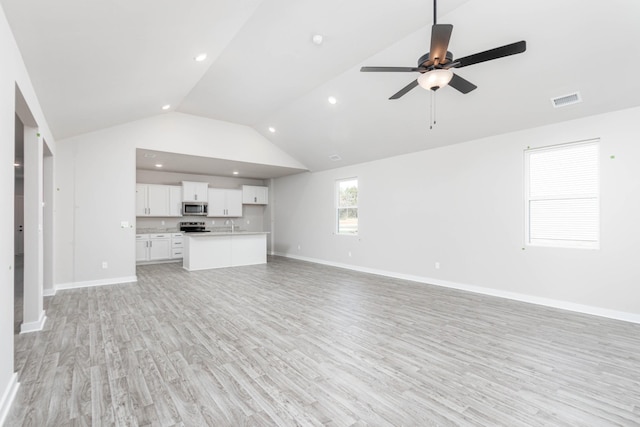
<point>158,246</point>
<point>142,247</point>
<point>176,245</point>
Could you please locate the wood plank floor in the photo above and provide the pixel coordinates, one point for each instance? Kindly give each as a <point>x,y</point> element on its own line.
<point>294,343</point>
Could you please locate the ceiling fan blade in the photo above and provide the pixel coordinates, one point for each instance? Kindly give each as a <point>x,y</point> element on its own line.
<point>440,35</point>
<point>405,89</point>
<point>462,85</point>
<point>389,69</point>
<point>488,55</point>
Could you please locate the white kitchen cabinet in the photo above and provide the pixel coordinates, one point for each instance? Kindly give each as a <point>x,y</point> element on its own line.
<point>159,246</point>
<point>177,244</point>
<point>141,199</point>
<point>255,195</point>
<point>142,247</point>
<point>152,200</point>
<point>225,203</point>
<point>194,191</point>
<point>175,200</point>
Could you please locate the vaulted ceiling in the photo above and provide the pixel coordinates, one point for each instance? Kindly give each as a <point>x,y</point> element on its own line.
<point>95,64</point>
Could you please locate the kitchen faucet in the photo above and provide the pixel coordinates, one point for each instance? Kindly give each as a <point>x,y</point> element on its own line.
<point>232,224</point>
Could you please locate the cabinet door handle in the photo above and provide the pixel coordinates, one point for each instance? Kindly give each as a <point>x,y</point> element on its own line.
<point>255,199</point>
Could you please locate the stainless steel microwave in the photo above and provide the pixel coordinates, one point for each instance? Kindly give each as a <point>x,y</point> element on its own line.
<point>194,208</point>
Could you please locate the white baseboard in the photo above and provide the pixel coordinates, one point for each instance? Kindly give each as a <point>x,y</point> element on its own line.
<point>548,302</point>
<point>7,397</point>
<point>36,326</point>
<point>99,282</point>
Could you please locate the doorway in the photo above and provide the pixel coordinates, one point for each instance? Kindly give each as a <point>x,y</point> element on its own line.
<point>18,226</point>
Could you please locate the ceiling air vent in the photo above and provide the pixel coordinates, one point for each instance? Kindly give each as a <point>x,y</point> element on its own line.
<point>335,157</point>
<point>563,101</point>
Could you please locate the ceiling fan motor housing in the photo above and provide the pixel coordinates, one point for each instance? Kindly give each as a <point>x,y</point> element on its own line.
<point>427,64</point>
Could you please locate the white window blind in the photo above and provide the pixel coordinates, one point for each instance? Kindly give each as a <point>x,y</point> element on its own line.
<point>562,195</point>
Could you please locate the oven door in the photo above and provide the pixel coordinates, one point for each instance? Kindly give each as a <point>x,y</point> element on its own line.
<point>191,208</point>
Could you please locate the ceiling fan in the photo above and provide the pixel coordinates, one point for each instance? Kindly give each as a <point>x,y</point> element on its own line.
<point>435,66</point>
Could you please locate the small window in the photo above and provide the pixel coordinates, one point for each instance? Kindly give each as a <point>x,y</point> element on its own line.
<point>347,206</point>
<point>563,195</point>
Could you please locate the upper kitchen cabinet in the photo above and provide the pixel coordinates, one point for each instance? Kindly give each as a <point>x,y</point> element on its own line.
<point>255,195</point>
<point>152,200</point>
<point>194,191</point>
<point>175,200</point>
<point>158,200</point>
<point>225,203</point>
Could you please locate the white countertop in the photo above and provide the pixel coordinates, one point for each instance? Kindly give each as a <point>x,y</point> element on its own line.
<point>225,233</point>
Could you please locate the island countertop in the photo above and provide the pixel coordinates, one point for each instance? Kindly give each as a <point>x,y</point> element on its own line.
<point>224,233</point>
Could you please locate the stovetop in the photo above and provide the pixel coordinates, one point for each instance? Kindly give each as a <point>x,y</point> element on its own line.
<point>193,227</point>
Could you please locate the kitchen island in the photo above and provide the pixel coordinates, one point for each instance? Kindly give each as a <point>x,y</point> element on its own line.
<point>203,251</point>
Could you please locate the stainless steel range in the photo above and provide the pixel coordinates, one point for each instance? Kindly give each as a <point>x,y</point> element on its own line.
<point>193,227</point>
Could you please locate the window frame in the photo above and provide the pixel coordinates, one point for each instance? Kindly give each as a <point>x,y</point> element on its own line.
<point>338,207</point>
<point>568,244</point>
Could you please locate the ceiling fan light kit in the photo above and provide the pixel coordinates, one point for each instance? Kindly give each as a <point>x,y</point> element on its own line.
<point>435,79</point>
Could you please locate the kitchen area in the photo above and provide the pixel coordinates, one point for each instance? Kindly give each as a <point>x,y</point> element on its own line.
<point>201,221</point>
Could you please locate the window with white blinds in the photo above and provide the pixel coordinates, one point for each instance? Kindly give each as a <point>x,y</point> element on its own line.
<point>562,195</point>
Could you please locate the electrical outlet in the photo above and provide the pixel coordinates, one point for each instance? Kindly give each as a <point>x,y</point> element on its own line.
<point>162,222</point>
<point>349,253</point>
<point>213,221</point>
<point>248,222</point>
<point>105,265</point>
<point>437,265</point>
<point>298,247</point>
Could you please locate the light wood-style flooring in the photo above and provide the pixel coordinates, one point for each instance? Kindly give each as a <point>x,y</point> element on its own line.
<point>294,343</point>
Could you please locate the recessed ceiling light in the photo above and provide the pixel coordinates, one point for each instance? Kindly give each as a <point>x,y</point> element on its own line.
<point>332,100</point>
<point>149,155</point>
<point>236,172</point>
<point>158,165</point>
<point>272,129</point>
<point>166,107</point>
<point>16,164</point>
<point>317,39</point>
<point>335,157</point>
<point>201,57</point>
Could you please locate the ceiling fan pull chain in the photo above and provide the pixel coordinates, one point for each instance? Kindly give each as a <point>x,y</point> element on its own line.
<point>432,118</point>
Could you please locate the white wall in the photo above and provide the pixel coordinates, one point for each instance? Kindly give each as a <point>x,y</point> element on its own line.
<point>12,73</point>
<point>96,176</point>
<point>463,206</point>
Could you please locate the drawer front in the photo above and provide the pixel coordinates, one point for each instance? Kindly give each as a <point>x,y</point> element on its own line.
<point>159,236</point>
<point>177,235</point>
<point>176,243</point>
<point>176,253</point>
<point>142,236</point>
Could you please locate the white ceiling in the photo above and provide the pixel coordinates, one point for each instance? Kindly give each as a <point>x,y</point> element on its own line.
<point>97,63</point>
